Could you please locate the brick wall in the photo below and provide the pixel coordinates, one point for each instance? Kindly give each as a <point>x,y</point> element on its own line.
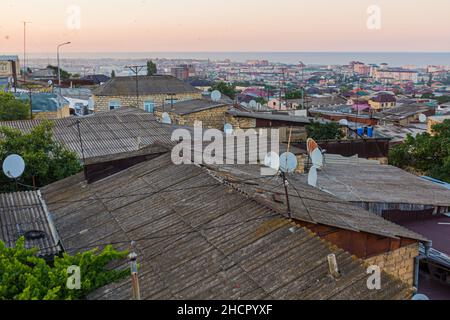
<point>398,263</point>
<point>102,102</point>
<point>241,122</point>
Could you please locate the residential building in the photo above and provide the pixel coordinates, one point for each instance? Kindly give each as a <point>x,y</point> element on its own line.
<point>153,91</point>
<point>186,113</point>
<point>382,101</point>
<point>46,105</point>
<point>9,70</point>
<point>389,75</point>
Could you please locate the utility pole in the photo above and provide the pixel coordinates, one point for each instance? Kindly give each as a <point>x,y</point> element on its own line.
<point>25,49</point>
<point>136,70</point>
<point>77,123</point>
<point>59,67</point>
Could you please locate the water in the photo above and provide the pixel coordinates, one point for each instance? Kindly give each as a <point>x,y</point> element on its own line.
<point>417,59</point>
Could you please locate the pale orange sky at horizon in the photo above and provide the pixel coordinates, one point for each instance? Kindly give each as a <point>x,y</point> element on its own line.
<point>226,25</point>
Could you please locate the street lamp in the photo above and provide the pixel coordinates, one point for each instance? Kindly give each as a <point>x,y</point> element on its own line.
<point>57,56</point>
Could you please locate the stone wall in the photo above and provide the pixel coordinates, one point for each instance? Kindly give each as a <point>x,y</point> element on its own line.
<point>63,112</point>
<point>211,118</point>
<point>102,102</point>
<point>398,263</point>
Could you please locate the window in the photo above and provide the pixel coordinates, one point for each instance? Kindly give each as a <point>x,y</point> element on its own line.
<point>149,106</point>
<point>114,104</point>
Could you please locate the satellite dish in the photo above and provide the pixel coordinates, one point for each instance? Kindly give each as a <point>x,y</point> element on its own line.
<point>343,122</point>
<point>166,118</point>
<point>422,118</point>
<point>253,104</point>
<point>13,166</point>
<point>312,176</point>
<point>216,95</point>
<point>420,297</point>
<point>317,158</point>
<point>228,129</point>
<point>50,82</point>
<point>288,162</point>
<point>272,160</point>
<point>311,145</point>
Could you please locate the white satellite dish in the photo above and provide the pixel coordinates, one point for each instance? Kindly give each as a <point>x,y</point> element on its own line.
<point>288,162</point>
<point>422,118</point>
<point>317,158</point>
<point>216,95</point>
<point>228,129</point>
<point>272,160</point>
<point>343,122</point>
<point>166,118</point>
<point>13,166</point>
<point>50,83</point>
<point>253,104</point>
<point>312,176</point>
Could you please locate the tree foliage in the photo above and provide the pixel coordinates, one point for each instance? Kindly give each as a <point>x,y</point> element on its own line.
<point>64,74</point>
<point>425,154</point>
<point>324,131</point>
<point>295,94</point>
<point>25,276</point>
<point>12,108</point>
<point>46,160</point>
<point>226,89</point>
<point>151,68</point>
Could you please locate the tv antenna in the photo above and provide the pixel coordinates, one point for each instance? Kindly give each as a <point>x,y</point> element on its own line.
<point>136,69</point>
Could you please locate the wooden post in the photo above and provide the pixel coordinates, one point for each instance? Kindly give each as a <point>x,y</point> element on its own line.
<point>134,274</point>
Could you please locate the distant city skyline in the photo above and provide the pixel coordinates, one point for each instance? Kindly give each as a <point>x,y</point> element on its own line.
<point>227,26</point>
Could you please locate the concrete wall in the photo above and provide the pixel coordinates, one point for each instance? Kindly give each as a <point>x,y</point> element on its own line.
<point>102,102</point>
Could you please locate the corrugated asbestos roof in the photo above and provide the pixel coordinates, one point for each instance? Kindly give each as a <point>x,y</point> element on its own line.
<point>148,85</point>
<point>194,105</point>
<point>22,212</point>
<point>310,204</point>
<point>106,133</point>
<point>200,239</point>
<point>379,183</point>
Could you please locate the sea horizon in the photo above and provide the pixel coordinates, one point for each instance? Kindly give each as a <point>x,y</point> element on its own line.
<point>393,58</point>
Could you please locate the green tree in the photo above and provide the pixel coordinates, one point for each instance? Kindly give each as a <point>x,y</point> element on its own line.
<point>425,154</point>
<point>151,68</point>
<point>46,160</point>
<point>12,108</point>
<point>113,74</point>
<point>64,74</point>
<point>226,89</point>
<point>427,96</point>
<point>295,94</point>
<point>324,131</point>
<point>25,276</point>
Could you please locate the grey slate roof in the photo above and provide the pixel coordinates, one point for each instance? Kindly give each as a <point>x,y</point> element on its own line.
<point>380,183</point>
<point>199,239</point>
<point>148,85</point>
<point>21,212</point>
<point>269,116</point>
<point>194,105</point>
<point>108,133</point>
<point>310,204</point>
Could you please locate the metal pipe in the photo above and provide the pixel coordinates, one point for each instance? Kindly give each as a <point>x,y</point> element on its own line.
<point>416,273</point>
<point>59,68</point>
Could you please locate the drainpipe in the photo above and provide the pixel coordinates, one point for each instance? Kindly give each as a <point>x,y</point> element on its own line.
<point>417,259</point>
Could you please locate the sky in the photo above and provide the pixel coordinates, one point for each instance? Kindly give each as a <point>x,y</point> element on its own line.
<point>226,25</point>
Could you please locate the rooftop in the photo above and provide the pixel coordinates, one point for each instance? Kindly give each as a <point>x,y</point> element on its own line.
<point>198,238</point>
<point>148,85</point>
<point>25,214</point>
<point>194,105</point>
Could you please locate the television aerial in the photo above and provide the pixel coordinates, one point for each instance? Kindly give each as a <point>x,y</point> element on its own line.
<point>216,95</point>
<point>288,162</point>
<point>228,129</point>
<point>13,166</point>
<point>422,118</point>
<point>166,118</point>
